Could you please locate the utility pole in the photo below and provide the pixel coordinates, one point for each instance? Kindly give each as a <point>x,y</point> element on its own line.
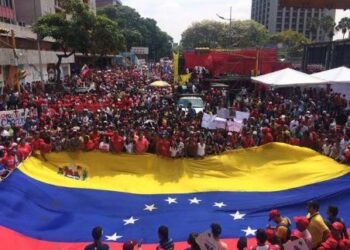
<point>230,24</point>
<point>39,49</point>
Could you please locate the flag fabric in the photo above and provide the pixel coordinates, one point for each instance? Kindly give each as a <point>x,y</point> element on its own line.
<point>184,79</point>
<point>55,204</point>
<point>176,58</point>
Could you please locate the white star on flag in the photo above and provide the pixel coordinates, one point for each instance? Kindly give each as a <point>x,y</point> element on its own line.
<point>150,207</point>
<point>131,220</point>
<point>237,216</point>
<point>219,204</point>
<point>171,200</point>
<point>194,200</point>
<point>249,231</point>
<point>113,237</point>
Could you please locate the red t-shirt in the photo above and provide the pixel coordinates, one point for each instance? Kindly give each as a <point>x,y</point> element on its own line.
<point>45,148</point>
<point>247,142</point>
<point>9,162</point>
<point>163,147</point>
<point>36,143</point>
<point>89,145</point>
<point>141,146</point>
<point>23,151</point>
<point>118,143</point>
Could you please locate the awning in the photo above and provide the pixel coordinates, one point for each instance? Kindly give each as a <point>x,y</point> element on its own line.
<point>289,78</point>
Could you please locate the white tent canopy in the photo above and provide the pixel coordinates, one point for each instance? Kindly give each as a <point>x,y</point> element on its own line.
<point>337,75</point>
<point>289,78</point>
<point>340,79</point>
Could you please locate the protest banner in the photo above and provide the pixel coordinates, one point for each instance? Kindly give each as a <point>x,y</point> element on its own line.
<point>13,117</point>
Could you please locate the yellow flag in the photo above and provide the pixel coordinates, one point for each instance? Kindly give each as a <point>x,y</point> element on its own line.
<point>185,78</point>
<point>176,66</point>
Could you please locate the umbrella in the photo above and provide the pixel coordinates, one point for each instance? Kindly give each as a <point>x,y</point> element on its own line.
<point>160,84</point>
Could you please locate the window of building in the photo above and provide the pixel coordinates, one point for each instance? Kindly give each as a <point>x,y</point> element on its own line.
<point>6,3</point>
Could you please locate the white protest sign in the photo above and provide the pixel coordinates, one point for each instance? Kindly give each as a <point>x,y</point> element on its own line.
<point>234,126</point>
<point>219,123</point>
<point>296,245</point>
<point>240,116</point>
<point>206,241</point>
<point>206,121</point>
<point>223,113</point>
<point>13,117</point>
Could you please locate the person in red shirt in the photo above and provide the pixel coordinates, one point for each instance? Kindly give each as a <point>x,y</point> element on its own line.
<point>141,144</point>
<point>45,147</point>
<point>163,146</point>
<point>117,142</point>
<point>9,160</point>
<point>88,144</point>
<point>247,141</point>
<point>23,150</point>
<point>267,136</point>
<point>36,141</point>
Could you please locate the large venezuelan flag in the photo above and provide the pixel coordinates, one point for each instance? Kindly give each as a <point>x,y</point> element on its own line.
<point>130,196</point>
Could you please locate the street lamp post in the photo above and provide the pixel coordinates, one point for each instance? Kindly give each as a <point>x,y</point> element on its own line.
<point>39,49</point>
<point>230,21</point>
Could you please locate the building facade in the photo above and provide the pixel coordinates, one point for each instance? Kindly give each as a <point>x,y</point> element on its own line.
<point>276,18</point>
<point>19,44</point>
<point>106,3</point>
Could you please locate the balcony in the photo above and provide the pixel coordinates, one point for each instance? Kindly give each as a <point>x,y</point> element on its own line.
<point>7,13</point>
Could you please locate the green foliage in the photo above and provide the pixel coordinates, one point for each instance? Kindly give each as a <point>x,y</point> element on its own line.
<point>248,33</point>
<point>139,31</point>
<point>108,38</point>
<point>327,25</point>
<point>293,40</point>
<point>344,26</point>
<point>211,34</point>
<point>77,29</point>
<point>215,34</point>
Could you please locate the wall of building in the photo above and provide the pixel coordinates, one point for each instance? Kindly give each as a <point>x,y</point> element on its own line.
<point>277,19</point>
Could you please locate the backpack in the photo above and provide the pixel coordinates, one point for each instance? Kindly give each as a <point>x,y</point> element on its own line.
<point>288,226</point>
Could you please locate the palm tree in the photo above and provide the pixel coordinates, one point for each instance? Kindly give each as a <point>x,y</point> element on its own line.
<point>327,25</point>
<point>343,26</point>
<point>314,25</point>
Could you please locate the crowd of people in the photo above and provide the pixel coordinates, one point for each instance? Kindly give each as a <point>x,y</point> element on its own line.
<point>311,231</point>
<point>123,113</point>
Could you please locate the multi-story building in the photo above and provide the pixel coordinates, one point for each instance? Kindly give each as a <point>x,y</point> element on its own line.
<point>21,50</point>
<point>276,18</point>
<point>106,3</point>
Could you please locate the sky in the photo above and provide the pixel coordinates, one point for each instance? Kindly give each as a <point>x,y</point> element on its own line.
<point>174,16</point>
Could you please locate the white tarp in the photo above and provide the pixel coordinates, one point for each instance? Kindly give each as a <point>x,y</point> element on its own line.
<point>340,79</point>
<point>288,78</point>
<point>337,75</point>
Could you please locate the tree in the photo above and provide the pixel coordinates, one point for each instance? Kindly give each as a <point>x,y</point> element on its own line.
<point>139,31</point>
<point>213,34</point>
<point>293,40</point>
<point>111,39</point>
<point>77,29</point>
<point>327,25</point>
<point>343,26</point>
<point>206,33</point>
<point>314,25</point>
<point>247,34</point>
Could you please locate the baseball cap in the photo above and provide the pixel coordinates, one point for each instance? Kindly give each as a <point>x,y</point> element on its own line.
<point>330,244</point>
<point>302,221</point>
<point>274,213</point>
<point>129,245</point>
<point>295,234</point>
<point>338,226</point>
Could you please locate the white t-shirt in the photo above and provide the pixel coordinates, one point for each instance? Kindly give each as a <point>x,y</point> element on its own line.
<point>173,151</point>
<point>306,235</point>
<point>104,146</point>
<point>129,147</point>
<point>201,149</point>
